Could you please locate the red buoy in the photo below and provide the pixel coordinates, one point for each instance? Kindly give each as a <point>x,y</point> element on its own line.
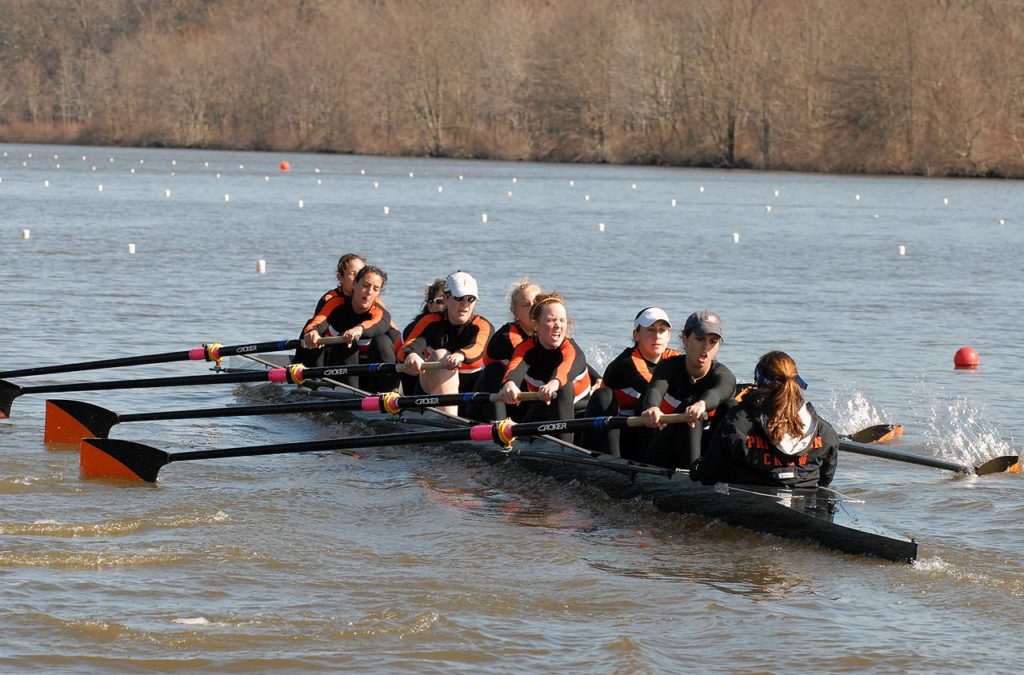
<point>285,166</point>
<point>965,358</point>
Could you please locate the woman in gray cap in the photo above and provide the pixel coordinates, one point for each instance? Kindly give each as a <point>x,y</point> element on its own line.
<point>694,384</point>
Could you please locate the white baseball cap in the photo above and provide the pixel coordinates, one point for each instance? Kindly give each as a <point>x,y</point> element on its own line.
<point>648,316</point>
<point>461,284</point>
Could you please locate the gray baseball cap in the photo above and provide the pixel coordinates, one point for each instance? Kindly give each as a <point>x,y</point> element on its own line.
<point>702,322</point>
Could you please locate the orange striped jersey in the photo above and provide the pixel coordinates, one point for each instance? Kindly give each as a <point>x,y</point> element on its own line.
<point>628,376</point>
<point>434,331</point>
<point>504,342</point>
<point>336,316</point>
<point>534,365</point>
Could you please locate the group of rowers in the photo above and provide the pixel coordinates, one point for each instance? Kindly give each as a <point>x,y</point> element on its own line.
<point>762,434</point>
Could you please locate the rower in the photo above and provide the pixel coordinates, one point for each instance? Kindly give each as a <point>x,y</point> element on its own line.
<point>503,343</point>
<point>349,265</point>
<point>625,380</point>
<point>359,320</point>
<point>433,303</point>
<point>457,337</point>
<point>549,363</point>
<point>694,384</point>
<point>773,436</point>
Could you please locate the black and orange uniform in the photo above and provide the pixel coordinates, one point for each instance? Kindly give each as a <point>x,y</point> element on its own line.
<point>434,331</point>
<point>533,365</point>
<point>337,316</point>
<point>314,357</point>
<point>500,349</point>
<point>740,451</point>
<point>625,380</point>
<point>673,390</point>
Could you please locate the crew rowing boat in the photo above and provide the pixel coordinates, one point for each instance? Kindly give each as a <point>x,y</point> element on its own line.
<point>821,515</point>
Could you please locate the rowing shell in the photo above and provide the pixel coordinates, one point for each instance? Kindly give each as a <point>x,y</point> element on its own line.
<point>820,515</point>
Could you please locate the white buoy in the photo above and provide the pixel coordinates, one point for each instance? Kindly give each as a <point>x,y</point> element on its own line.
<point>702,188</point>
<point>509,193</point>
<point>776,193</point>
<point>440,188</point>
<point>319,181</point>
<point>857,197</point>
<point>56,156</point>
<point>58,165</point>
<point>46,183</point>
<point>26,233</point>
<point>1002,221</point>
<point>167,194</point>
<point>316,170</point>
<point>266,179</point>
<point>217,175</point>
<point>572,183</point>
<point>93,167</point>
<point>768,208</point>
<point>945,200</point>
<point>206,164</point>
<point>586,198</point>
<point>99,188</point>
<point>735,237</point>
<point>387,210</point>
<point>673,202</point>
<point>513,179</point>
<point>362,172</point>
<point>301,204</point>
<point>132,170</point>
<point>227,198</point>
<point>131,249</point>
<point>634,186</point>
<point>241,166</point>
<point>600,227</point>
<point>903,249</point>
<point>460,176</point>
<point>483,217</point>
<point>142,161</point>
<point>412,175</point>
<point>174,162</point>
<point>376,185</point>
<point>261,266</point>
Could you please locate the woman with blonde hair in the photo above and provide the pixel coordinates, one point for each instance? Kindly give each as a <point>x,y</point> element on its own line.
<point>773,436</point>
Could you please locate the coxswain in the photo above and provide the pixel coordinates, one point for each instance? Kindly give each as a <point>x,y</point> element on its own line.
<point>773,436</point>
<point>357,319</point>
<point>549,363</point>
<point>456,337</point>
<point>625,380</point>
<point>694,384</point>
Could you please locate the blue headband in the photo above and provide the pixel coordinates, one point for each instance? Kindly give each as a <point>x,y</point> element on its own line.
<point>761,380</point>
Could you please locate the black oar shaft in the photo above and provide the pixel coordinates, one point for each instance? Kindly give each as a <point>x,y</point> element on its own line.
<point>196,354</point>
<point>327,444</point>
<point>903,456</point>
<point>241,411</point>
<point>227,378</point>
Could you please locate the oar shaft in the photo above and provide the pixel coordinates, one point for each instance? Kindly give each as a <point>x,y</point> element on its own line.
<point>903,456</point>
<point>327,444</point>
<point>227,378</point>
<point>209,352</point>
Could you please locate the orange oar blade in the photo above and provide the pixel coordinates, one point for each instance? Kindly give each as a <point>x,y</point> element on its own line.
<point>68,422</point>
<point>110,458</point>
<point>879,433</point>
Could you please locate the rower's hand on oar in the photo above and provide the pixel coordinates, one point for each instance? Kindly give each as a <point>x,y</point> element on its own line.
<point>311,340</point>
<point>696,413</point>
<point>652,418</point>
<point>510,393</point>
<point>351,335</point>
<point>454,360</point>
<point>548,391</point>
<point>413,364</point>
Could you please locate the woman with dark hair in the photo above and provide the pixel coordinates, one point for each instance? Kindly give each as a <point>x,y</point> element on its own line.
<point>433,303</point>
<point>348,267</point>
<point>360,320</point>
<point>772,437</point>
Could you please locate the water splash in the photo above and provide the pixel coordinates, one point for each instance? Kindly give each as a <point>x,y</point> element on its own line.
<point>853,411</point>
<point>959,431</point>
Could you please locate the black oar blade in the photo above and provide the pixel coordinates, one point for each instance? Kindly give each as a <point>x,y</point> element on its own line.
<point>8,392</point>
<point>111,458</point>
<point>68,422</point>
<point>1009,464</point>
<point>879,433</point>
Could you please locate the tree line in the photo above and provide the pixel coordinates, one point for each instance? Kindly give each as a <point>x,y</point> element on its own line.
<point>931,87</point>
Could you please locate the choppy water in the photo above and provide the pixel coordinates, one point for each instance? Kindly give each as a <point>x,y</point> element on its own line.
<point>411,558</point>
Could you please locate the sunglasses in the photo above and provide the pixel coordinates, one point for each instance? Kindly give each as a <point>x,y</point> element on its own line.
<point>436,301</point>
<point>464,298</point>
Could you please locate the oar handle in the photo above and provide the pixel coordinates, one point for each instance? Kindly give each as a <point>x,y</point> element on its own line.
<point>673,418</point>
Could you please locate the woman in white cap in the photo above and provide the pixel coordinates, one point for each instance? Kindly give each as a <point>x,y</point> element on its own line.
<point>456,337</point>
<point>772,437</point>
<point>625,380</point>
<point>694,384</point>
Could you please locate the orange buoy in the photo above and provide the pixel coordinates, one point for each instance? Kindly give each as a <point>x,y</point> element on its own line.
<point>965,358</point>
<point>285,166</point>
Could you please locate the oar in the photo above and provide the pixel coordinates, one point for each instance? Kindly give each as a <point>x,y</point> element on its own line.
<point>112,458</point>
<point>69,422</point>
<point>879,433</point>
<point>294,374</point>
<point>998,465</point>
<point>208,352</point>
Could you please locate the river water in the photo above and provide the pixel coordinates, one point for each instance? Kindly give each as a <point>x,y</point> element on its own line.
<point>411,558</point>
